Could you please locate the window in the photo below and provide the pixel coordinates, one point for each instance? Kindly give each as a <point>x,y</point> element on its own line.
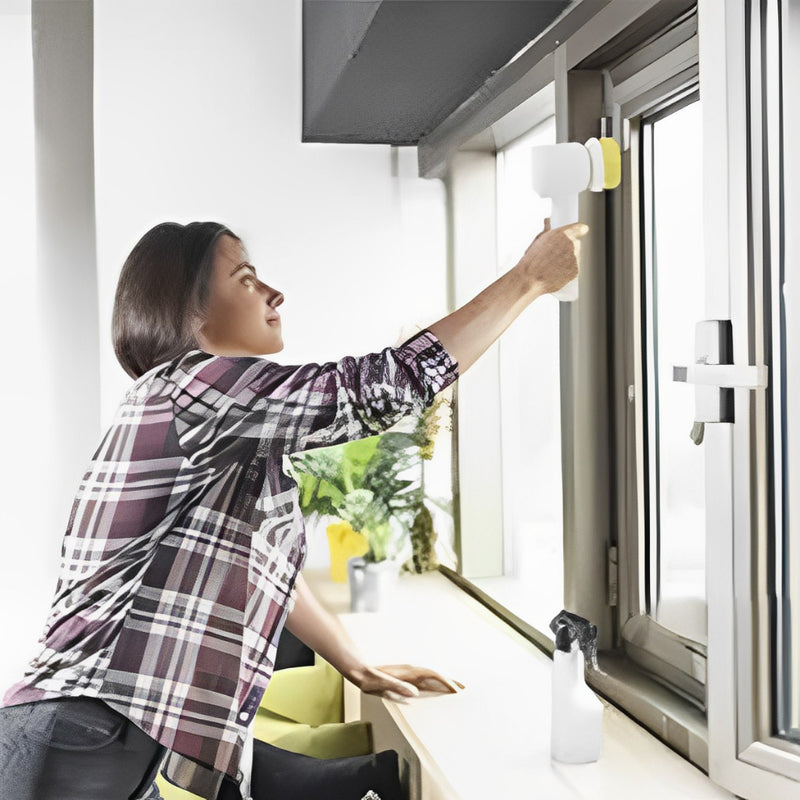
<point>532,583</point>
<point>674,299</point>
<point>618,487</point>
<point>664,627</point>
<point>772,267</point>
<point>786,452</point>
<point>692,267</point>
<point>658,294</point>
<point>751,255</point>
<point>780,23</point>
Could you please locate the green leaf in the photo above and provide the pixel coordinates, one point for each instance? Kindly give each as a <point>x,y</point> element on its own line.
<point>327,489</point>
<point>359,481</point>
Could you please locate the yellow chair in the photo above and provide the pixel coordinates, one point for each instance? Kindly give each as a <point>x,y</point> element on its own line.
<point>303,711</point>
<point>170,792</point>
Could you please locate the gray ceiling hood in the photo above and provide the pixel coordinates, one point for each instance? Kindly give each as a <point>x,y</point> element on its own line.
<point>389,71</point>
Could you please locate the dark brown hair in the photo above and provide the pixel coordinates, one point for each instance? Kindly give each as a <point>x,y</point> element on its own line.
<point>162,294</point>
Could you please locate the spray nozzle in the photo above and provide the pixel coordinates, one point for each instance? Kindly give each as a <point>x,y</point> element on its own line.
<point>568,628</point>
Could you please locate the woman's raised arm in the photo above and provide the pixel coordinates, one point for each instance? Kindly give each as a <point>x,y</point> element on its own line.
<point>549,263</point>
<point>300,407</point>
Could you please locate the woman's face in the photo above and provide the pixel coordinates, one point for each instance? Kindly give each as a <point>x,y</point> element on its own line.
<point>241,320</point>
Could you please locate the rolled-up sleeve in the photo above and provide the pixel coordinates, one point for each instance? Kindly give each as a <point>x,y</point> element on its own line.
<point>295,408</point>
<point>356,397</point>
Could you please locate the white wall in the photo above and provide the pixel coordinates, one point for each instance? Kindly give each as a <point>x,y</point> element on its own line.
<point>49,387</point>
<point>198,116</point>
<point>197,111</point>
<point>29,555</point>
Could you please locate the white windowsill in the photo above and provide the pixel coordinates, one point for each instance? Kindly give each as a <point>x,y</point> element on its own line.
<point>492,739</point>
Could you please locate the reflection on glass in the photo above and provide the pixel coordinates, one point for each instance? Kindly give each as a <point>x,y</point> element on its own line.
<point>533,584</point>
<point>674,302</point>
<point>787,545</point>
<point>787,325</point>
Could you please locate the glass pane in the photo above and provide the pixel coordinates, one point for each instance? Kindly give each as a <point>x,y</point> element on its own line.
<point>675,301</point>
<point>786,322</point>
<point>787,545</point>
<point>533,584</point>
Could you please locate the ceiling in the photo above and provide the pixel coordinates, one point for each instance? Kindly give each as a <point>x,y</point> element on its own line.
<point>389,71</point>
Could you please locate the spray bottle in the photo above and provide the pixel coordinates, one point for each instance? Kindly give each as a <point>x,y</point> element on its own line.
<point>562,171</point>
<point>577,712</point>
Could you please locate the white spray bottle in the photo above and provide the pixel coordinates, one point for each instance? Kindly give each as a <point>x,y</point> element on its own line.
<point>577,712</point>
<point>562,171</point>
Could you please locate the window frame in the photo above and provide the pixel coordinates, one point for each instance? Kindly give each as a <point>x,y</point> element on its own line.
<point>677,660</point>
<point>746,758</point>
<point>657,75</point>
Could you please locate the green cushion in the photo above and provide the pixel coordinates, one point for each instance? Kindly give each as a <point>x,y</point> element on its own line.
<point>310,695</point>
<point>303,711</point>
<point>171,792</point>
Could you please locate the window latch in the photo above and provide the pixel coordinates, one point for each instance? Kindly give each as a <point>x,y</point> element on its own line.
<point>715,376</point>
<point>728,376</point>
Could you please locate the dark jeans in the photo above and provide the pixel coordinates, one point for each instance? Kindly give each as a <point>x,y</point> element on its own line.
<point>75,748</point>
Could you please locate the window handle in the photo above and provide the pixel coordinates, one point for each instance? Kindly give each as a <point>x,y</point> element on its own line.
<point>730,376</point>
<point>715,376</point>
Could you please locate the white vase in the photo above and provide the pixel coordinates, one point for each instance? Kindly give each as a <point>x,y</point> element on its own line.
<point>372,583</point>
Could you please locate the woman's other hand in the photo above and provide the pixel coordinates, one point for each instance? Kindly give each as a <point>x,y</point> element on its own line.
<point>403,680</point>
<point>551,260</point>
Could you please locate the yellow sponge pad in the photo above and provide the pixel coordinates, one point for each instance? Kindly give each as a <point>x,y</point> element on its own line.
<point>612,163</point>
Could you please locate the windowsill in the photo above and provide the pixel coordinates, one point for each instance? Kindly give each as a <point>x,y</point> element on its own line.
<point>493,738</point>
<point>674,720</point>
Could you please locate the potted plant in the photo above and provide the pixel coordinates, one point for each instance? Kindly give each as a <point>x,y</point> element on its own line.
<point>381,511</point>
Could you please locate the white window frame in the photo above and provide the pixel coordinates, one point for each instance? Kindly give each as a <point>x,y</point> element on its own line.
<point>743,756</point>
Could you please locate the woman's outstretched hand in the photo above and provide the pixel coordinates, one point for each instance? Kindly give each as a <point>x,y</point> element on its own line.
<point>403,680</point>
<point>324,634</point>
<point>551,260</point>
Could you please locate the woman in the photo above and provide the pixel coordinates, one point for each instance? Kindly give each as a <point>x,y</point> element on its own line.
<point>180,562</point>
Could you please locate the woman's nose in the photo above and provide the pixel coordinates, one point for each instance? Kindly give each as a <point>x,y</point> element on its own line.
<point>276,298</point>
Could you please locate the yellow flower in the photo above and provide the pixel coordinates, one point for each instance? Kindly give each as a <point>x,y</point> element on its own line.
<point>344,543</point>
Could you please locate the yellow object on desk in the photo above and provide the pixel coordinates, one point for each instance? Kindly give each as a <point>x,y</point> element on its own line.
<point>344,543</point>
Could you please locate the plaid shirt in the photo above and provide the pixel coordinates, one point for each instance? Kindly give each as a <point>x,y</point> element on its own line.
<point>185,536</point>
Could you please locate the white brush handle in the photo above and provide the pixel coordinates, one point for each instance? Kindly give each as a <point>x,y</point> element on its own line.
<point>565,212</point>
<point>568,292</point>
